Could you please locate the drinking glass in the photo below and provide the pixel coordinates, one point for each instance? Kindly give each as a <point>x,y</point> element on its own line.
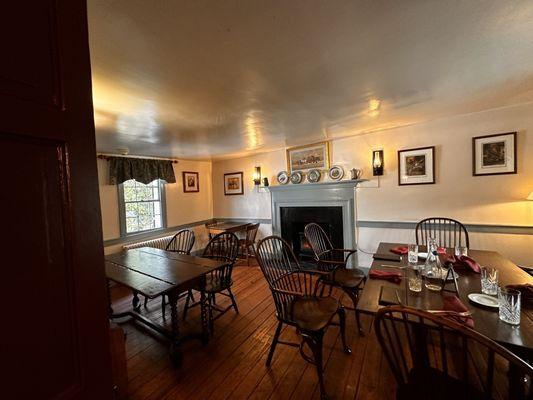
<point>489,281</point>
<point>461,251</point>
<point>412,254</point>
<point>414,278</point>
<point>509,300</point>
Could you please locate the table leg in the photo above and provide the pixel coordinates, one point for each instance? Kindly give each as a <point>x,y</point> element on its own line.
<point>136,302</point>
<point>175,352</point>
<point>204,315</point>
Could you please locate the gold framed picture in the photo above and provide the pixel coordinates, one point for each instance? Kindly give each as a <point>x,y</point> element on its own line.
<point>308,157</point>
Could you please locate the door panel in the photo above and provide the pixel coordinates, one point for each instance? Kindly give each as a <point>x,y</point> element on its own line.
<point>54,338</point>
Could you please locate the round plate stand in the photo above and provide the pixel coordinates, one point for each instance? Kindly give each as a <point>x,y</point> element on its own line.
<point>313,176</point>
<point>296,177</point>
<point>283,178</point>
<point>336,173</point>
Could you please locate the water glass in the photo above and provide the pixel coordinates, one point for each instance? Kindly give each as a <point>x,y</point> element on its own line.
<point>489,281</point>
<point>414,278</point>
<point>461,251</point>
<point>412,254</point>
<point>509,300</point>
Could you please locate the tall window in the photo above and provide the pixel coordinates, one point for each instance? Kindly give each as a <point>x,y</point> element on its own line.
<point>142,207</point>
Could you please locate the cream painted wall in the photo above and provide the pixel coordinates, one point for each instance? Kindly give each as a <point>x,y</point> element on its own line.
<point>457,194</point>
<point>182,208</point>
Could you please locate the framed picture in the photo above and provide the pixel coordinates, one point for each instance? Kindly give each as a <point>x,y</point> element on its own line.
<point>494,154</point>
<point>190,182</point>
<point>305,158</point>
<point>233,183</point>
<point>416,166</point>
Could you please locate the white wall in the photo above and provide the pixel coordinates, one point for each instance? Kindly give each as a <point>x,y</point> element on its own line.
<point>182,208</point>
<point>496,200</point>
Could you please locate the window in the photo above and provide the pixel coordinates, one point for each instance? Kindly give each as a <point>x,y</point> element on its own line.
<point>142,207</point>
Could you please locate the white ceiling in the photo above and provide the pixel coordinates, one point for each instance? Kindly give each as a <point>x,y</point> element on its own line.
<point>212,79</point>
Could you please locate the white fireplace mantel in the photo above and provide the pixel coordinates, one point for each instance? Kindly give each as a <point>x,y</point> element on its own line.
<point>323,194</point>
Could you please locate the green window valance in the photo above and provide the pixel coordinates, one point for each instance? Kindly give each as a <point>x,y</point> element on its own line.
<point>143,170</point>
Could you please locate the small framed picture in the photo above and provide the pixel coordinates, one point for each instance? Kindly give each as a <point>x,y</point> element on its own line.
<point>308,157</point>
<point>233,183</point>
<point>494,154</point>
<point>190,182</point>
<point>416,166</point>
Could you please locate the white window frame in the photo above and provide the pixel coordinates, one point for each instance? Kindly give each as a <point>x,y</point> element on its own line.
<point>122,211</point>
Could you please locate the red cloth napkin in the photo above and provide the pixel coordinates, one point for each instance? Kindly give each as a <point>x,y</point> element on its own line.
<point>462,262</point>
<point>391,276</point>
<point>399,250</point>
<point>527,293</point>
<point>452,303</point>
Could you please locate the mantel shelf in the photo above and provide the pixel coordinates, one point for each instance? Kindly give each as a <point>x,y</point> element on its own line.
<point>329,184</point>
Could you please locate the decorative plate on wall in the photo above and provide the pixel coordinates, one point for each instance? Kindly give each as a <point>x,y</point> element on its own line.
<point>313,176</point>
<point>336,173</point>
<point>283,178</point>
<point>296,177</point>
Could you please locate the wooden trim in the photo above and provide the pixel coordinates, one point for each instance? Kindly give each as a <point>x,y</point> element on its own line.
<point>197,180</point>
<point>242,184</point>
<point>515,167</point>
<point>433,166</point>
<point>482,228</point>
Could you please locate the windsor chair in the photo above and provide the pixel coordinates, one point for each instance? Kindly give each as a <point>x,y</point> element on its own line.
<point>333,261</point>
<point>247,243</point>
<point>446,231</point>
<point>222,247</point>
<point>434,357</point>
<point>298,304</point>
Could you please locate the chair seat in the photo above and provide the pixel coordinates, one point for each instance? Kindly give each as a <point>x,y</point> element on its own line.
<point>313,313</point>
<point>346,277</point>
<point>431,383</point>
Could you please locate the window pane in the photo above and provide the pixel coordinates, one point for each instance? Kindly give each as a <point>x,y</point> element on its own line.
<point>142,206</point>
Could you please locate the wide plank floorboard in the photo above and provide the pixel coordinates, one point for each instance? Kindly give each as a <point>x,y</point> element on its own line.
<point>232,365</point>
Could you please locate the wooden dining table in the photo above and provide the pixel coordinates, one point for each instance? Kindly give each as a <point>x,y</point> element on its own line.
<point>227,226</point>
<point>518,339</point>
<point>152,273</point>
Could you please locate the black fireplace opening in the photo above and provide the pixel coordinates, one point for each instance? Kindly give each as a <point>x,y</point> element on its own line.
<point>294,220</point>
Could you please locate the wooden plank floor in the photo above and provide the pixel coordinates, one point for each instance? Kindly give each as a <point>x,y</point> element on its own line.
<point>232,365</point>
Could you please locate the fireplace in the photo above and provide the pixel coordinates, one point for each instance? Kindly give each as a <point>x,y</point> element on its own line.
<point>294,220</point>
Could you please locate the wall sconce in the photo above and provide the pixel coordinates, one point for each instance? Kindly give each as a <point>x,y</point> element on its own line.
<point>257,176</point>
<point>377,162</point>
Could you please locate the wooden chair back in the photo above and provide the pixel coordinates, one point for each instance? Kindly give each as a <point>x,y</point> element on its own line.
<point>223,247</point>
<point>182,242</point>
<point>433,357</point>
<point>446,231</point>
<point>251,233</point>
<point>317,238</point>
<point>283,274</point>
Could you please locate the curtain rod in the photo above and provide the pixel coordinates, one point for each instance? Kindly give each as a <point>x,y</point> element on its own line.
<point>106,157</point>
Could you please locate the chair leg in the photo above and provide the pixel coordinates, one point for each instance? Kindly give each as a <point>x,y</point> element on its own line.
<point>145,301</point>
<point>233,302</point>
<point>342,322</point>
<point>163,305</point>
<point>355,299</point>
<point>210,306</point>
<point>274,343</point>
<point>314,341</point>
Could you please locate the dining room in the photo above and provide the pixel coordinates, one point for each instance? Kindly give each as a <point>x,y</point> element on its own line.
<point>269,200</point>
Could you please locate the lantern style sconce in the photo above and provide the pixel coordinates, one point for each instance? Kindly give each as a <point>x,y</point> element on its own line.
<point>257,176</point>
<point>377,162</point>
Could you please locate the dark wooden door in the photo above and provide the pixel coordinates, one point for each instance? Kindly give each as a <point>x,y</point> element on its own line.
<point>54,330</point>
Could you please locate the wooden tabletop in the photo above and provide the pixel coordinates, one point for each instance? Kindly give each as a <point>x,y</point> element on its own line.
<point>486,321</point>
<point>141,269</point>
<point>228,226</point>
